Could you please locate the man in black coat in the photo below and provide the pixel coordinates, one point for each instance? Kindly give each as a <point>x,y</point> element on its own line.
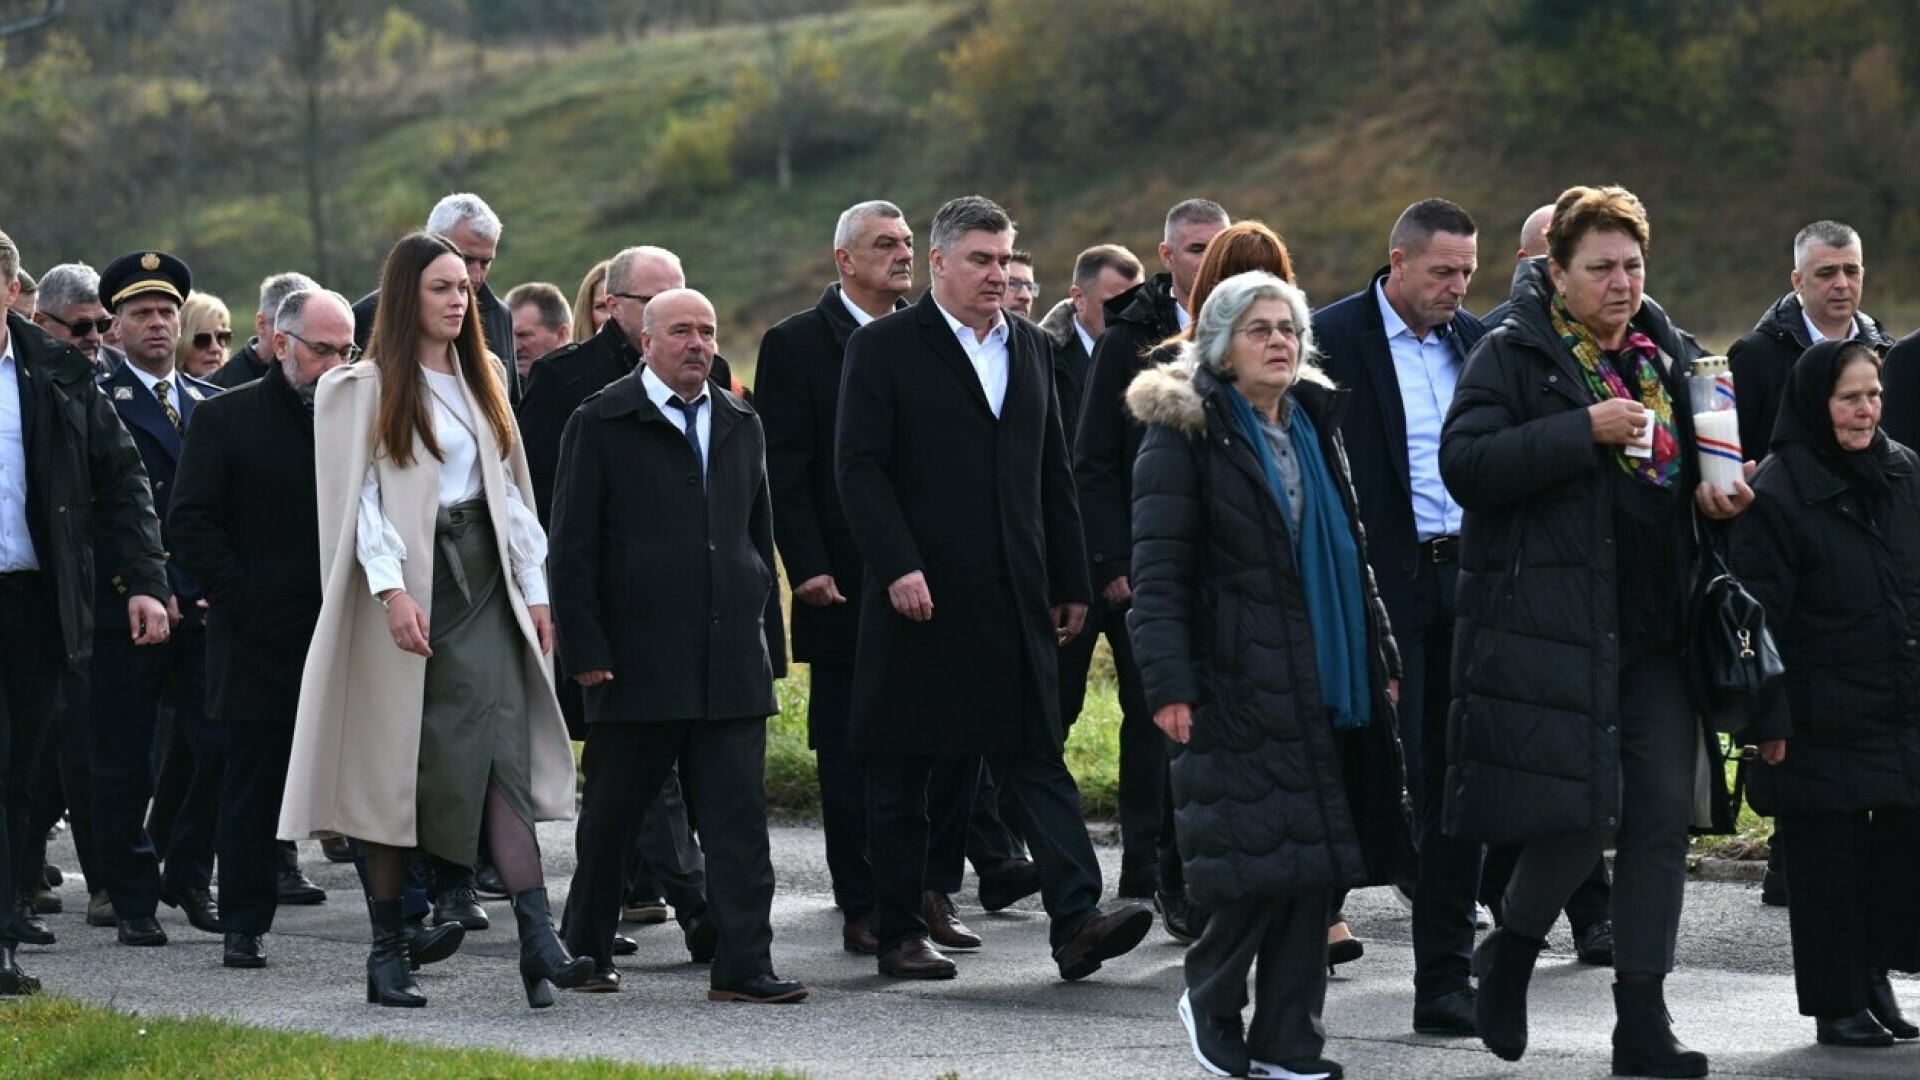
<point>1399,345</point>
<point>252,360</point>
<point>156,402</point>
<point>71,483</point>
<point>667,606</point>
<point>798,398</point>
<point>1104,446</point>
<point>953,472</point>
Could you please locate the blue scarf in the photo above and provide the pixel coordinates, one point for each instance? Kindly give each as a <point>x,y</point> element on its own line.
<point>1328,562</point>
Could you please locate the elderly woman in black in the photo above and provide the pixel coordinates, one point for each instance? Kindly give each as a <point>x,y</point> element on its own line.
<point>1266,658</point>
<point>1832,549</point>
<point>1569,446</point>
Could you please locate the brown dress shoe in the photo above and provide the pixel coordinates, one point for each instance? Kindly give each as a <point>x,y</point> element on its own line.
<point>857,936</point>
<point>100,909</point>
<point>1101,938</point>
<point>943,923</point>
<point>916,958</point>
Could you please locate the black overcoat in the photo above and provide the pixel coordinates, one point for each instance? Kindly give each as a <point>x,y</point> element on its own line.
<point>1269,799</point>
<point>244,522</point>
<point>88,502</point>
<point>1842,595</point>
<point>1761,359</point>
<point>984,507</point>
<point>668,584</point>
<point>797,393</point>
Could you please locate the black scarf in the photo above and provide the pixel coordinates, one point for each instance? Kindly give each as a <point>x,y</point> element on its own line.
<point>1807,420</point>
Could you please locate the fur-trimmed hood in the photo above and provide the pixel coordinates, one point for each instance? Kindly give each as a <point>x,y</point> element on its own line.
<point>1174,395</point>
<point>1058,324</point>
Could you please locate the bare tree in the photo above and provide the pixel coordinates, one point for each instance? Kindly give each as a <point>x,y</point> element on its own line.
<point>307,47</point>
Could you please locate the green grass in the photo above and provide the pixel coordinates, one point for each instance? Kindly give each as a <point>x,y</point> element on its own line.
<point>56,1038</point>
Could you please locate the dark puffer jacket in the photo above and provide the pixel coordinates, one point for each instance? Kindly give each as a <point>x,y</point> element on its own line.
<point>1842,594</point>
<point>1533,745</point>
<point>1269,800</point>
<point>1761,360</point>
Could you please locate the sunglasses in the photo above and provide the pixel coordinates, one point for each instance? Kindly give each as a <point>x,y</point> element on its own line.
<point>83,327</point>
<point>204,339</point>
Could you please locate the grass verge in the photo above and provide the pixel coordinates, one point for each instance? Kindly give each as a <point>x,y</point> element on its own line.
<point>57,1038</point>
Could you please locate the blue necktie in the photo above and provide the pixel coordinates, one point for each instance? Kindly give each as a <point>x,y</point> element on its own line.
<point>691,410</point>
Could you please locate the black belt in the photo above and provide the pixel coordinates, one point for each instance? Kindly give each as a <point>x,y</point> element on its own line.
<point>19,581</point>
<point>1440,549</point>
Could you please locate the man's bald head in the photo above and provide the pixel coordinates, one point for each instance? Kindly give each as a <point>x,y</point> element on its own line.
<point>1533,234</point>
<point>679,336</point>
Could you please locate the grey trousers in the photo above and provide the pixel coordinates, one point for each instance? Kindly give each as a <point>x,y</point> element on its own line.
<point>1288,939</point>
<point>1658,740</point>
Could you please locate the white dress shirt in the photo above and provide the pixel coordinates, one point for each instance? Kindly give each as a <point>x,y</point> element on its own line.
<point>1815,337</point>
<point>860,316</point>
<point>16,542</point>
<point>660,394</point>
<point>149,381</point>
<point>989,357</point>
<point>1427,372</point>
<point>377,543</point>
<point>1086,339</point>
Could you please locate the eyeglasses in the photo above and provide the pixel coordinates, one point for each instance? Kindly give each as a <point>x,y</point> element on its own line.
<point>631,296</point>
<point>1260,333</point>
<point>204,338</point>
<point>347,353</point>
<point>83,327</point>
<point>1023,285</point>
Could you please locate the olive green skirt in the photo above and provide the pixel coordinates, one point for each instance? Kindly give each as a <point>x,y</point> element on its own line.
<point>473,729</point>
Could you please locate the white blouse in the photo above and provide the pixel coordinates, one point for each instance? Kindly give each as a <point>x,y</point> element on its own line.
<point>377,543</point>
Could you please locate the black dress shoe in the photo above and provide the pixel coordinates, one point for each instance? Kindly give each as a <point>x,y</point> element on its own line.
<point>296,888</point>
<point>52,875</point>
<point>1005,883</point>
<point>1860,1029</point>
<point>141,930</point>
<point>1184,920</point>
<point>457,904</point>
<point>1448,1014</point>
<point>45,902</point>
<point>1773,889</point>
<point>916,958</point>
<point>943,922</point>
<point>1594,945</point>
<point>760,990</point>
<point>703,939</point>
<point>431,944</point>
<point>1102,938</point>
<point>603,980</point>
<point>27,927</point>
<point>624,945</point>
<point>244,951</point>
<point>1886,1008</point>
<point>196,903</point>
<point>1344,951</point>
<point>13,981</point>
<point>487,881</point>
<point>1219,1043</point>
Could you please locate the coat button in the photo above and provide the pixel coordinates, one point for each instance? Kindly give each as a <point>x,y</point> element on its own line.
<point>713,545</point>
<point>158,484</point>
<point>1555,379</point>
<point>691,479</point>
<point>716,620</point>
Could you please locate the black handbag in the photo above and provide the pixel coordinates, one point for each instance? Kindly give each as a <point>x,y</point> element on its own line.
<point>1732,659</point>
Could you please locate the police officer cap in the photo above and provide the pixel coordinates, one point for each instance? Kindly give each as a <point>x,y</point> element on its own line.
<point>142,272</point>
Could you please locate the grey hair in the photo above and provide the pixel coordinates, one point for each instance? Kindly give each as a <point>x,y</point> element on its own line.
<point>968,213</point>
<point>1833,234</point>
<point>275,288</point>
<point>464,206</point>
<point>620,267</point>
<point>66,285</point>
<point>1194,212</point>
<point>856,215</point>
<point>290,317</point>
<point>1212,342</point>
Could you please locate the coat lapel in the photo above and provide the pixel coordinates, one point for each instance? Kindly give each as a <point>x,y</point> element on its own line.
<point>940,341</point>
<point>1377,358</point>
<point>138,407</point>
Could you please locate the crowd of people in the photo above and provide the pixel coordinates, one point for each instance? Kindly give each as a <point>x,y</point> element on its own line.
<point>1395,596</point>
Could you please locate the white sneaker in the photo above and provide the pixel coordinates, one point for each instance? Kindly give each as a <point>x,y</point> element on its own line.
<point>1267,1070</point>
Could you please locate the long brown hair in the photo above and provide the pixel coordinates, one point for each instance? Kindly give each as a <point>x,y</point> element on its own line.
<point>395,341</point>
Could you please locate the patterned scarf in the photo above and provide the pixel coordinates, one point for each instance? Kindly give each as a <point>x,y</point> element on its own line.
<point>1663,468</point>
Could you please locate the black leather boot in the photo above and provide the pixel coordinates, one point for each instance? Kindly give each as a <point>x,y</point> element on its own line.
<point>1886,1008</point>
<point>13,981</point>
<point>389,976</point>
<point>1643,1040</point>
<point>543,960</point>
<point>1504,965</point>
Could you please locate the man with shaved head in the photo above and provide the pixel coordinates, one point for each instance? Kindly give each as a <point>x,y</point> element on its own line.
<point>674,633</point>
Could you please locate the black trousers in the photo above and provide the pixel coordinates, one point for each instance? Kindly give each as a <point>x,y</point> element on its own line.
<point>252,784</point>
<point>666,860</point>
<point>843,800</point>
<point>1851,880</point>
<point>128,682</point>
<point>31,662</point>
<point>723,764</point>
<point>65,787</point>
<point>1143,747</point>
<point>899,794</point>
<point>1287,938</point>
<point>1589,904</point>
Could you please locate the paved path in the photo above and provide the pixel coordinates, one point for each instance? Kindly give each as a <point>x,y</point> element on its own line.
<point>1007,1016</point>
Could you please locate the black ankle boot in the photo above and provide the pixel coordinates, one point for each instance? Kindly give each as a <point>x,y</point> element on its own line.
<point>1886,1008</point>
<point>1504,965</point>
<point>1643,1040</point>
<point>543,959</point>
<point>389,979</point>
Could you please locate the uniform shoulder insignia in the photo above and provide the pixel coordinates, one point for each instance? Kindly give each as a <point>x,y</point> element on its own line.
<point>123,393</point>
<point>195,394</point>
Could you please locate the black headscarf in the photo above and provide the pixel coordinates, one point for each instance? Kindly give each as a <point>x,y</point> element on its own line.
<point>1805,418</point>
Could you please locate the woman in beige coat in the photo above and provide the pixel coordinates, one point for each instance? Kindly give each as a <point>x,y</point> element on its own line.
<point>426,709</point>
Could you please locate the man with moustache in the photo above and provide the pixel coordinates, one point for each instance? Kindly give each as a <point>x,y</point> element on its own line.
<point>667,610</point>
<point>156,402</point>
<point>954,476</point>
<point>71,487</point>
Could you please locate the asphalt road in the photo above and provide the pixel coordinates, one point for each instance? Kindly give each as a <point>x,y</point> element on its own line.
<point>1007,1016</point>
